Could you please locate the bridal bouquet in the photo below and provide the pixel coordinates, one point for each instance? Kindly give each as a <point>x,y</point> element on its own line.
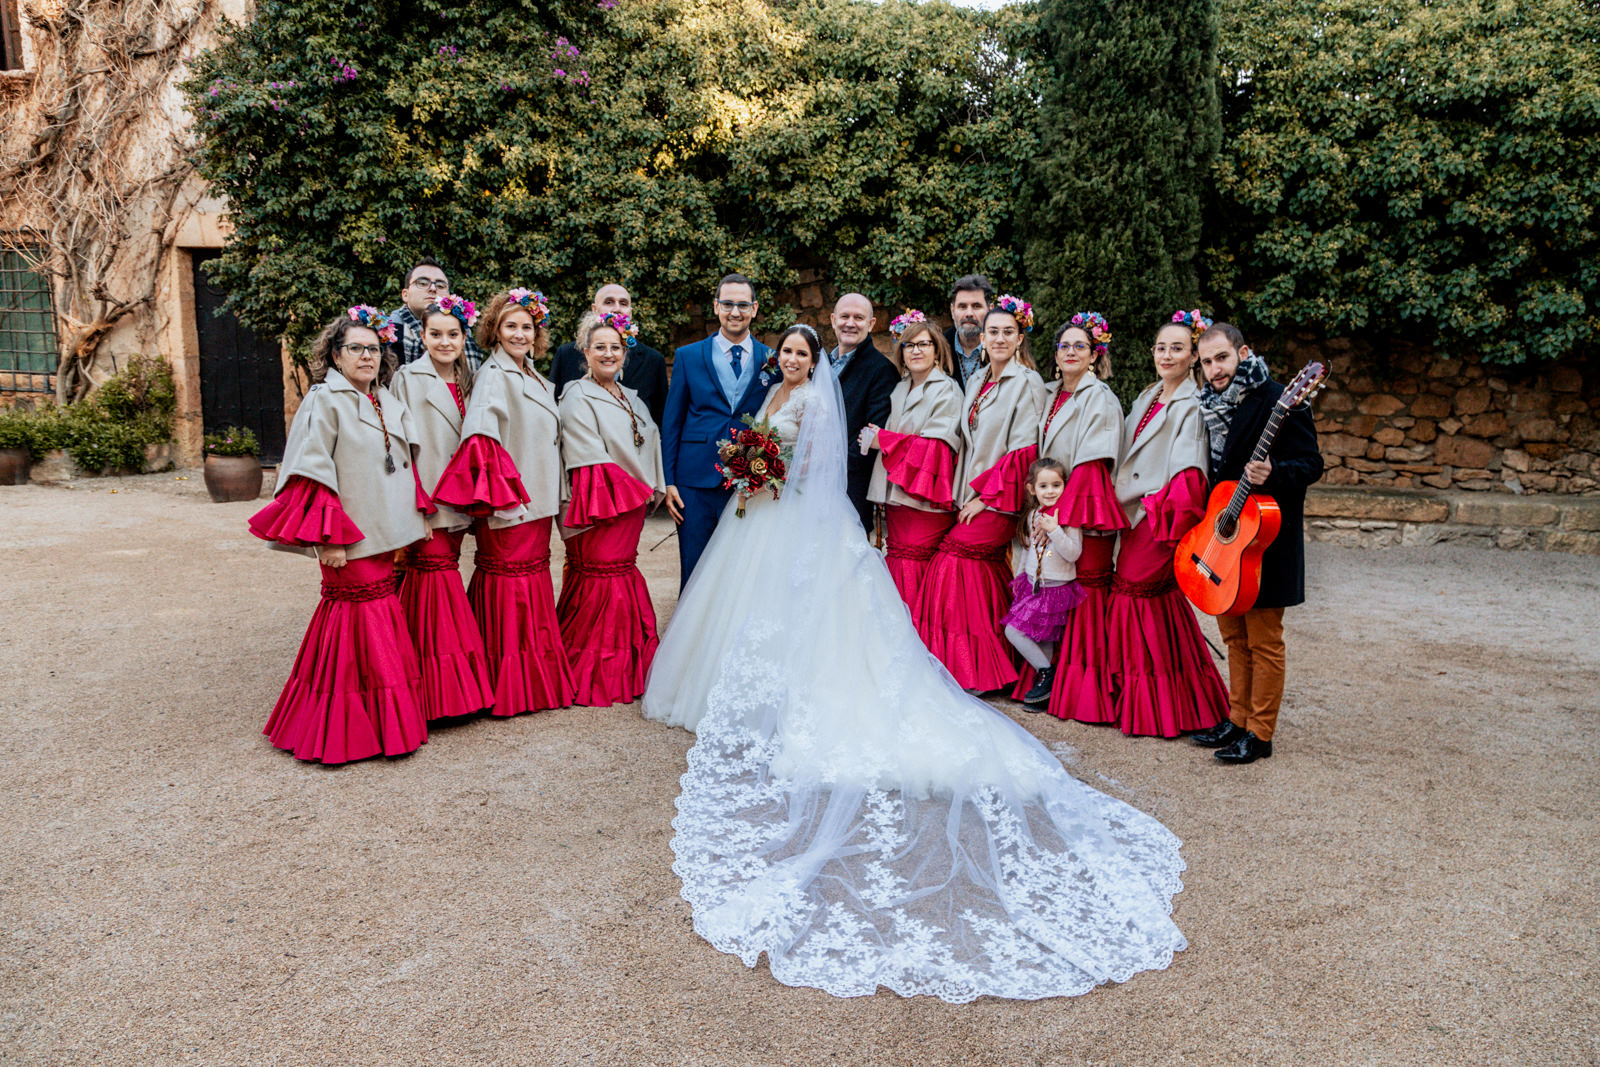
<point>752,460</point>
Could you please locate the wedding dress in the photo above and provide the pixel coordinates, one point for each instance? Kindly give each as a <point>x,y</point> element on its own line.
<point>847,809</point>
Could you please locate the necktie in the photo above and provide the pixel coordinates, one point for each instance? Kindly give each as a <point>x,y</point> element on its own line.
<point>737,352</point>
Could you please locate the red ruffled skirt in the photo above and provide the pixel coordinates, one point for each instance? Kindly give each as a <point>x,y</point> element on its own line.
<point>455,671</point>
<point>354,691</point>
<point>914,537</point>
<point>964,595</point>
<point>1166,681</point>
<point>1082,686</point>
<point>607,620</point>
<point>515,603</point>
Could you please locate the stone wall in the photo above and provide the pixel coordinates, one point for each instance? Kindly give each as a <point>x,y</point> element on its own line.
<point>1412,418</point>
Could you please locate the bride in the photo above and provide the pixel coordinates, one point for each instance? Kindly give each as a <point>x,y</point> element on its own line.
<point>848,809</point>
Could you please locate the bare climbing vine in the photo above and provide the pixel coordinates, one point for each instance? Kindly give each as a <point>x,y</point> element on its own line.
<point>92,183</point>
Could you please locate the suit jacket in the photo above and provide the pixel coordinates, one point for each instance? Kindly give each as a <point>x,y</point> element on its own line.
<point>644,371</point>
<point>1296,465</point>
<point>698,415</point>
<point>868,383</point>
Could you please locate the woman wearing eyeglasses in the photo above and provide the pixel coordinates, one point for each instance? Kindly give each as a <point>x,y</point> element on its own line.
<point>348,493</point>
<point>611,450</point>
<point>1165,679</point>
<point>967,590</point>
<point>455,671</point>
<point>913,478</point>
<point>507,474</point>
<point>1082,430</point>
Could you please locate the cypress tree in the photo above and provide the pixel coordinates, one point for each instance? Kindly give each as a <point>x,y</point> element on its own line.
<point>1129,125</point>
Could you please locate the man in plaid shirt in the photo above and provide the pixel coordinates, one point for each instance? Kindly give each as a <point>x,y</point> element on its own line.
<point>425,284</point>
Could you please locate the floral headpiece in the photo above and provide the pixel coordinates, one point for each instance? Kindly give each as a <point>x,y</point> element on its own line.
<point>1019,308</point>
<point>374,320</point>
<point>902,322</point>
<point>532,301</point>
<point>623,324</point>
<point>460,307</point>
<point>1095,325</point>
<point>1195,320</point>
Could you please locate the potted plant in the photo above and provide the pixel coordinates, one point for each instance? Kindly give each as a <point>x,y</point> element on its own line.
<point>233,465</point>
<point>16,446</point>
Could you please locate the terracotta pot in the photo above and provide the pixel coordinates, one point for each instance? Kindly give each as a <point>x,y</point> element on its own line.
<point>231,478</point>
<point>14,466</point>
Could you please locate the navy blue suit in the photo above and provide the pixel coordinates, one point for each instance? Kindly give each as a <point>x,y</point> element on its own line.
<point>698,416</point>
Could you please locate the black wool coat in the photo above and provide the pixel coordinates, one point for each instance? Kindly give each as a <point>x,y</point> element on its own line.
<point>867,383</point>
<point>1296,465</point>
<point>644,371</point>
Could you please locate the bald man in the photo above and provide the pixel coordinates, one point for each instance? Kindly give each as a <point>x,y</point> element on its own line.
<point>867,379</point>
<point>644,370</point>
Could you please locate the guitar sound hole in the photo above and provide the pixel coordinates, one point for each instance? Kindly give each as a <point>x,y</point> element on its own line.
<point>1226,531</point>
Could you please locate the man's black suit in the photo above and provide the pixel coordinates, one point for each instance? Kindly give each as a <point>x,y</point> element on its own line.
<point>1296,465</point>
<point>644,371</point>
<point>867,383</point>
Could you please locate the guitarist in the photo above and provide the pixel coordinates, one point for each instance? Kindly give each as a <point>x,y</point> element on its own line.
<point>1237,401</point>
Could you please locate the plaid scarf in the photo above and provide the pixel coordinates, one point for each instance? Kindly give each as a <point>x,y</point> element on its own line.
<point>1217,408</point>
<point>411,350</point>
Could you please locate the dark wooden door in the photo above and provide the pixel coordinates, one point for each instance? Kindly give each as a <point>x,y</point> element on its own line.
<point>241,375</point>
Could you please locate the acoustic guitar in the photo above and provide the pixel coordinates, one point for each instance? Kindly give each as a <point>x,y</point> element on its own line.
<point>1218,563</point>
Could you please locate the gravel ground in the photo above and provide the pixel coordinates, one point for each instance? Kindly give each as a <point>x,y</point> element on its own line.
<point>1411,879</point>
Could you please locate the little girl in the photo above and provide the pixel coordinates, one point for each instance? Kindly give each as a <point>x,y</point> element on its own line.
<point>1043,591</point>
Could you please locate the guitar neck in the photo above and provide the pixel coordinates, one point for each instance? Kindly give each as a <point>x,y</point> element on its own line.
<point>1241,492</point>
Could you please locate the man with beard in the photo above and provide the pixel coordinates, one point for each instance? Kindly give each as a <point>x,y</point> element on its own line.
<point>970,299</point>
<point>1237,401</point>
<point>867,380</point>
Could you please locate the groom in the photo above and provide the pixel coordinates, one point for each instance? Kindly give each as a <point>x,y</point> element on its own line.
<point>714,382</point>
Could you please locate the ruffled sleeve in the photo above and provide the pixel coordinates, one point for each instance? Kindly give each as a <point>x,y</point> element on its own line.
<point>922,466</point>
<point>481,479</point>
<point>1004,486</point>
<point>603,491</point>
<point>305,514</point>
<point>1090,501</point>
<point>424,504</point>
<point>1177,508</point>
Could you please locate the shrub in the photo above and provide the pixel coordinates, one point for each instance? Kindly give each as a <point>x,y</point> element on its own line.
<point>108,431</point>
<point>232,441</point>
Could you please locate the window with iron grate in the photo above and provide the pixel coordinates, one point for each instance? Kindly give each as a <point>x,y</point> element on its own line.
<point>28,352</point>
<point>11,57</point>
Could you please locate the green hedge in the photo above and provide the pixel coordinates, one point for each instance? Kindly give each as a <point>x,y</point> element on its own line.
<point>107,432</point>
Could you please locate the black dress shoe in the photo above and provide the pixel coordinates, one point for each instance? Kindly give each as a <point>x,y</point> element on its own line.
<point>1224,733</point>
<point>1038,698</point>
<point>1247,749</point>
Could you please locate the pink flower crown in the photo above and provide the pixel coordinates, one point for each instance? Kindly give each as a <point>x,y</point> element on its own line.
<point>623,324</point>
<point>532,300</point>
<point>1095,325</point>
<point>460,307</point>
<point>374,320</point>
<point>1019,308</point>
<point>902,322</point>
<point>1195,320</point>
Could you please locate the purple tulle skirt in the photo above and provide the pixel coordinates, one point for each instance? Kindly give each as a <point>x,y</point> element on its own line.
<point>1041,616</point>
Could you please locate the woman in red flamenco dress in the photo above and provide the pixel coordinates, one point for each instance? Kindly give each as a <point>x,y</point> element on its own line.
<point>455,671</point>
<point>1082,430</point>
<point>507,475</point>
<point>967,588</point>
<point>1166,682</point>
<point>913,479</point>
<point>348,491</point>
<point>611,450</point>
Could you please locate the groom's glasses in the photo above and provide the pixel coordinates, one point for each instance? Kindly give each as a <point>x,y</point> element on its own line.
<point>742,306</point>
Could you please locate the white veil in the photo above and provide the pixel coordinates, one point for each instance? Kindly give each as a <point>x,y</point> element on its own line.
<point>852,813</point>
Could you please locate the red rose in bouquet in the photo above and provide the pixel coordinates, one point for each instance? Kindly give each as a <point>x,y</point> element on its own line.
<point>752,461</point>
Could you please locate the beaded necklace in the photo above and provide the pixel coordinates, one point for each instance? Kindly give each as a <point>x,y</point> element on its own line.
<point>1041,549</point>
<point>972,412</point>
<point>620,399</point>
<point>1061,401</point>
